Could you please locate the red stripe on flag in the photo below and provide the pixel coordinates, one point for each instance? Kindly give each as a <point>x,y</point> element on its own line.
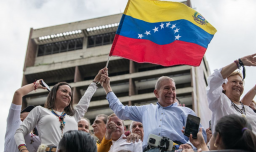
<point>140,50</point>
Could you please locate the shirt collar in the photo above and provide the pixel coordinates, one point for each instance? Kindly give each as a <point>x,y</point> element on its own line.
<point>175,104</point>
<point>121,137</point>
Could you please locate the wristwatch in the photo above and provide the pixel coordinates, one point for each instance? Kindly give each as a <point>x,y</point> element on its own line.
<point>97,83</point>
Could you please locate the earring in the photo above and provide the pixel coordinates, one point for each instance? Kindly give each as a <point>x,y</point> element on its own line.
<point>215,145</point>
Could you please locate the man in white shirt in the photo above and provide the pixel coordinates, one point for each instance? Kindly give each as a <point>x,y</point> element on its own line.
<point>115,131</point>
<point>137,128</point>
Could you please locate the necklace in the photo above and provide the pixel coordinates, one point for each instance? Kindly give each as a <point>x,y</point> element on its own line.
<point>61,120</point>
<point>32,135</point>
<point>242,111</point>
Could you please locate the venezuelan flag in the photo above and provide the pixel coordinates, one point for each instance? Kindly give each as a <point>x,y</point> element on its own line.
<point>162,32</point>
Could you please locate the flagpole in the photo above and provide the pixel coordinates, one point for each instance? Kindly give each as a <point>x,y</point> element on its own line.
<point>107,62</point>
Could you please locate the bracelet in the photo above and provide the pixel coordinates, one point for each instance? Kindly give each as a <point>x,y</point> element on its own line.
<point>97,83</point>
<point>22,146</point>
<point>237,64</point>
<point>35,85</point>
<point>242,65</point>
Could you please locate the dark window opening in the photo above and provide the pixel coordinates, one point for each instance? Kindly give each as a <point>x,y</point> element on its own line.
<point>98,40</point>
<point>102,39</point>
<point>59,47</point>
<point>40,50</point>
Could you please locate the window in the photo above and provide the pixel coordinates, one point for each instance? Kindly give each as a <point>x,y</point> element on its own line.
<point>102,39</point>
<point>58,47</point>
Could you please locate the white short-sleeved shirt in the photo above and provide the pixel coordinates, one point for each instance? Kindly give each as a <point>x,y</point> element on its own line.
<point>48,124</point>
<point>13,123</point>
<point>220,104</point>
<point>121,145</point>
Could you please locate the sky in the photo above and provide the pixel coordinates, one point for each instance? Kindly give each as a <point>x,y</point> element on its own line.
<point>233,19</point>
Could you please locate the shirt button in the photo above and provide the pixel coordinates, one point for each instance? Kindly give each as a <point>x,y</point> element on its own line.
<point>162,113</point>
<point>159,125</point>
<point>159,133</point>
<point>160,119</point>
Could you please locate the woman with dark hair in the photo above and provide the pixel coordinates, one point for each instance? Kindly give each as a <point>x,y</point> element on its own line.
<point>231,132</point>
<point>58,116</point>
<point>225,89</point>
<point>77,141</point>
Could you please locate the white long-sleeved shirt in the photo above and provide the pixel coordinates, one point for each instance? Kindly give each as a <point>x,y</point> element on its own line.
<point>13,123</point>
<point>48,124</point>
<point>121,145</point>
<point>220,104</point>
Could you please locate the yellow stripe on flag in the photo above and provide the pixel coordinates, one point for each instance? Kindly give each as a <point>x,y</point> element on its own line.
<point>153,11</point>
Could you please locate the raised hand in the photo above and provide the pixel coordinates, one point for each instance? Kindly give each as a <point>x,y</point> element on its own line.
<point>132,138</point>
<point>199,142</point>
<point>105,83</point>
<point>249,60</point>
<point>38,85</point>
<point>111,127</point>
<point>98,76</point>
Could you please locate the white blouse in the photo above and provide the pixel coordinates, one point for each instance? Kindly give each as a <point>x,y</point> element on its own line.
<point>48,124</point>
<point>220,104</point>
<point>121,145</point>
<point>13,123</point>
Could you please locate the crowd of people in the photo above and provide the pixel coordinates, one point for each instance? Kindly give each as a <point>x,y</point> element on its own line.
<point>61,127</point>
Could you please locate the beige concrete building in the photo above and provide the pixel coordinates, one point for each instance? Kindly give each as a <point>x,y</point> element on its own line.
<point>74,52</point>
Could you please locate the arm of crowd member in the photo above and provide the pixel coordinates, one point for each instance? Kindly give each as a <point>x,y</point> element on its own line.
<point>123,112</point>
<point>199,143</point>
<point>132,137</point>
<point>209,135</point>
<point>17,97</point>
<point>83,104</point>
<point>28,124</point>
<point>249,60</point>
<point>247,99</point>
<point>13,119</point>
<point>110,128</point>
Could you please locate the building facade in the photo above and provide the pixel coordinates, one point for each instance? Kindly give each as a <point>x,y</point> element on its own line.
<point>75,52</point>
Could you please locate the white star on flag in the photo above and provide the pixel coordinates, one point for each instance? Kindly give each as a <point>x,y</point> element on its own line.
<point>162,25</point>
<point>167,24</point>
<point>155,29</point>
<point>177,30</point>
<point>177,37</point>
<point>140,36</point>
<point>173,26</point>
<point>147,33</point>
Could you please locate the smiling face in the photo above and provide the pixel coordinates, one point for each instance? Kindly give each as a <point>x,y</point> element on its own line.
<point>137,128</point>
<point>166,92</point>
<point>83,125</point>
<point>234,87</point>
<point>63,96</point>
<point>119,128</point>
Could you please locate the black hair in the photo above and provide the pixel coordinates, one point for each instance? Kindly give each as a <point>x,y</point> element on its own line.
<point>236,133</point>
<point>77,141</point>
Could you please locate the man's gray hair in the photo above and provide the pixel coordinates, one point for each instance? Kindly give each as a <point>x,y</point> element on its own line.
<point>132,125</point>
<point>159,80</point>
<point>105,117</point>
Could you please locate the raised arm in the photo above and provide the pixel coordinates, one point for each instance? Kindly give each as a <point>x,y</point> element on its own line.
<point>247,99</point>
<point>249,60</point>
<point>17,97</point>
<point>123,112</point>
<point>84,102</point>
